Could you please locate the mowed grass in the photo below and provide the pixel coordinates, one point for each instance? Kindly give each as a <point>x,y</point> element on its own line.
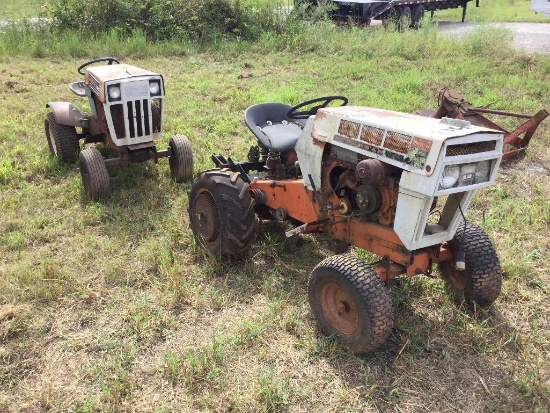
<point>113,307</point>
<point>494,11</point>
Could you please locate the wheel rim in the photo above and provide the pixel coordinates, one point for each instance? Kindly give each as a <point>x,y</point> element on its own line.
<point>52,139</point>
<point>457,278</point>
<point>206,217</point>
<point>339,308</point>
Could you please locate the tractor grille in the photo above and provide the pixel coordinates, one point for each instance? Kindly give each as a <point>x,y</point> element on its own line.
<point>397,142</point>
<point>470,148</point>
<point>372,135</point>
<point>132,119</point>
<point>94,84</point>
<point>349,129</point>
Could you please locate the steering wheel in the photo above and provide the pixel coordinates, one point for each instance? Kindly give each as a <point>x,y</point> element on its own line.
<point>295,113</point>
<point>110,61</point>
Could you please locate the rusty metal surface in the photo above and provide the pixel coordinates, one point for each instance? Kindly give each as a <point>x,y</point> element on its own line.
<point>339,308</point>
<point>452,104</point>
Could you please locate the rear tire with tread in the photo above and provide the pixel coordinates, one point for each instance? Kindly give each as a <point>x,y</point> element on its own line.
<point>404,18</point>
<point>481,281</point>
<point>181,159</point>
<point>94,174</point>
<point>417,16</point>
<point>221,212</point>
<point>349,300</point>
<point>62,140</point>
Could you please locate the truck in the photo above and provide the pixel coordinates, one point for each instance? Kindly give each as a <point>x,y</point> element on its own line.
<point>403,13</point>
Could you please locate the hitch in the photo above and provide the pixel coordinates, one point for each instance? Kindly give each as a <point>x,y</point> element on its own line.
<point>451,104</point>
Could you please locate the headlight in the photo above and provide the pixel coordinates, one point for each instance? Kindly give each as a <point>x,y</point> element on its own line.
<point>114,92</point>
<point>467,174</point>
<point>154,87</point>
<point>482,171</point>
<point>451,173</point>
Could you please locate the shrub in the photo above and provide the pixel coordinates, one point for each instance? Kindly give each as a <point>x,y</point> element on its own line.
<point>197,20</point>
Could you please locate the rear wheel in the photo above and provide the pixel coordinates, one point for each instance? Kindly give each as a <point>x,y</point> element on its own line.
<point>221,212</point>
<point>94,174</point>
<point>349,300</point>
<point>404,19</point>
<point>62,140</point>
<point>417,16</point>
<point>181,158</point>
<point>481,281</point>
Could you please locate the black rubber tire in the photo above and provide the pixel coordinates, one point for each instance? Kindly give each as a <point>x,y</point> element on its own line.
<point>343,285</point>
<point>481,281</point>
<point>404,18</point>
<point>94,174</point>
<point>181,160</point>
<point>221,212</point>
<point>417,16</point>
<point>62,140</point>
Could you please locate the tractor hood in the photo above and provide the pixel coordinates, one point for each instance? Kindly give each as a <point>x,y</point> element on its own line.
<point>116,72</point>
<point>409,141</point>
<point>99,76</point>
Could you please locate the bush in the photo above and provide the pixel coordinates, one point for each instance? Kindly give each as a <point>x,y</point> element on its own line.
<point>196,20</point>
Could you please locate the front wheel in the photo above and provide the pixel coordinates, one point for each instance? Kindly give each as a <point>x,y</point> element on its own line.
<point>349,300</point>
<point>62,140</point>
<point>481,281</point>
<point>94,174</point>
<point>221,212</point>
<point>181,158</point>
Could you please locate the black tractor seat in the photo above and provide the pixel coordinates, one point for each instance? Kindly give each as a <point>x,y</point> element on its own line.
<point>272,127</point>
<point>78,88</point>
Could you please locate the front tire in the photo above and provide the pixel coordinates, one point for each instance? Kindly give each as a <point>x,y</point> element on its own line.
<point>349,300</point>
<point>481,282</point>
<point>94,174</point>
<point>62,140</point>
<point>221,212</point>
<point>181,159</point>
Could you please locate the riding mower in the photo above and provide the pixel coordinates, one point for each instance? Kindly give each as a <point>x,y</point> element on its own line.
<point>395,184</point>
<point>127,108</point>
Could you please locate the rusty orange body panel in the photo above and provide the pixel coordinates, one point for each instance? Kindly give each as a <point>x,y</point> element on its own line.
<point>306,206</point>
<point>292,195</point>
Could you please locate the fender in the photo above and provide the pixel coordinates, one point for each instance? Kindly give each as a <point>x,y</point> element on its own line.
<point>66,113</point>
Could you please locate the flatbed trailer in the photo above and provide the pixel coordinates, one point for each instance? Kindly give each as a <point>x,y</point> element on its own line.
<point>402,11</point>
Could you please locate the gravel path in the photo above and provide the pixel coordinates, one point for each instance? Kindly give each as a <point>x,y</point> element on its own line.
<point>531,37</point>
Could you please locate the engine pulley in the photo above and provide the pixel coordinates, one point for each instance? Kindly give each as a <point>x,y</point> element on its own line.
<point>368,199</point>
<point>370,171</point>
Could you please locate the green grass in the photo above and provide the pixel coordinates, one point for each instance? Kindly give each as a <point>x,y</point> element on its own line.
<point>113,307</point>
<point>18,8</point>
<point>494,11</point>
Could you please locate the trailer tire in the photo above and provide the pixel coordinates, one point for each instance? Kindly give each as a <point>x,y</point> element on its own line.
<point>94,174</point>
<point>404,18</point>
<point>417,16</point>
<point>481,282</point>
<point>350,301</point>
<point>62,140</point>
<point>221,212</point>
<point>181,158</point>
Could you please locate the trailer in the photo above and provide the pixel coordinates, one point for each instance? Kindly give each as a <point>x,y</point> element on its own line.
<point>403,12</point>
<point>540,6</point>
